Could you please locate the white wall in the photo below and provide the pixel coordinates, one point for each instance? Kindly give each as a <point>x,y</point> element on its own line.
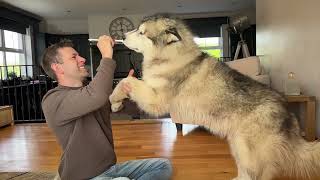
<point>65,26</point>
<point>99,23</point>
<point>288,40</point>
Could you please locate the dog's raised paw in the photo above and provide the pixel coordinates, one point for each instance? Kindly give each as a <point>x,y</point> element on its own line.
<point>115,107</point>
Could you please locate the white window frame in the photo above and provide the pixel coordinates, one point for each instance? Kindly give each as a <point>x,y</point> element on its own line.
<point>22,51</point>
<point>219,46</point>
<point>224,43</point>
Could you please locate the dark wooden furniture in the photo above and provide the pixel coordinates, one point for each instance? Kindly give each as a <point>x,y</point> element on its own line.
<point>309,116</point>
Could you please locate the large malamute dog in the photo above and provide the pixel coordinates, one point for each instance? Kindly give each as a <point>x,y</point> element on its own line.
<point>179,79</point>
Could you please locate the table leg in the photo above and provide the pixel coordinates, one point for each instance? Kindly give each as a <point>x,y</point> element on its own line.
<point>310,120</point>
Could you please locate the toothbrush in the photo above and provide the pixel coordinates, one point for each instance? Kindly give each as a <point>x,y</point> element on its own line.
<point>117,41</point>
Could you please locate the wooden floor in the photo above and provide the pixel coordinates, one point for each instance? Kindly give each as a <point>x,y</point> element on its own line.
<point>194,155</point>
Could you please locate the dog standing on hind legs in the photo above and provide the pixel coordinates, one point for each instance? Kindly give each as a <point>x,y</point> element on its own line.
<point>194,88</point>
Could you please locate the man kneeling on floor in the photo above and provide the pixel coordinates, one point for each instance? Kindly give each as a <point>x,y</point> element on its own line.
<point>80,118</point>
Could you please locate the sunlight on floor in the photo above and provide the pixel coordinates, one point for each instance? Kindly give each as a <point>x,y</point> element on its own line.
<point>169,134</point>
<point>188,128</point>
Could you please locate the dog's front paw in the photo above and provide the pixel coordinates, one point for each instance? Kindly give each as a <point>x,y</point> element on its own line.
<point>117,96</point>
<point>115,107</point>
<point>116,102</point>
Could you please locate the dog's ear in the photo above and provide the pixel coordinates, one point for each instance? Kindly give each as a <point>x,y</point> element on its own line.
<point>173,35</point>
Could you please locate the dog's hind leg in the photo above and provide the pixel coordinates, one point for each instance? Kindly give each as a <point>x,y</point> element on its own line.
<point>242,171</point>
<point>268,173</point>
<point>246,159</point>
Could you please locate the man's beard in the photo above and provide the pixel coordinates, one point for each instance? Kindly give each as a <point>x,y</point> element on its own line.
<point>85,78</point>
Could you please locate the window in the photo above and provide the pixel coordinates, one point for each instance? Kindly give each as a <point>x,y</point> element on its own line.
<point>211,45</point>
<point>13,54</point>
<point>13,40</point>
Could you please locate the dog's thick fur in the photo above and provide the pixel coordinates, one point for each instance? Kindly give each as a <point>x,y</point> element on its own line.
<point>179,79</point>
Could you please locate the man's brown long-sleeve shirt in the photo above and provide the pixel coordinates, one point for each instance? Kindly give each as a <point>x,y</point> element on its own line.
<point>80,119</point>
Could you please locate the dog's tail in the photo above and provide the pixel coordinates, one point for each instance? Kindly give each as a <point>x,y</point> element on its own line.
<point>301,158</point>
<point>307,163</point>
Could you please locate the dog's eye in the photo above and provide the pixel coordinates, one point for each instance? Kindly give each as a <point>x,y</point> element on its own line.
<point>140,33</point>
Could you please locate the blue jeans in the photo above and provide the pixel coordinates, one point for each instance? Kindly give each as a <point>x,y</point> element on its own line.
<point>144,169</point>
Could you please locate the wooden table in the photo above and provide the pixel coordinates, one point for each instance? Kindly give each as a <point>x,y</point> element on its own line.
<point>309,116</point>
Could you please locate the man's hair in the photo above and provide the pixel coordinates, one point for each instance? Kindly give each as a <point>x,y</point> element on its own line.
<point>51,55</point>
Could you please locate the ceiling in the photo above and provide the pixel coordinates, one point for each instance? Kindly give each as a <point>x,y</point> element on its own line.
<point>79,9</point>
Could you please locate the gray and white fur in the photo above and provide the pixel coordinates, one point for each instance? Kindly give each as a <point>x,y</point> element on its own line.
<point>197,89</point>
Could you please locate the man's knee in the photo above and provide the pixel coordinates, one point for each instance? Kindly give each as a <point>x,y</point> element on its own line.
<point>165,168</point>
<point>167,163</point>
<point>164,165</point>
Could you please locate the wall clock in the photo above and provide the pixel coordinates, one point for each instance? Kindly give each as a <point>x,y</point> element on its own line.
<point>119,26</point>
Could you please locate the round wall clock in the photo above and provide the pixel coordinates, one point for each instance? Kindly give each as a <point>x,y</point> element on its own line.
<point>119,26</point>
